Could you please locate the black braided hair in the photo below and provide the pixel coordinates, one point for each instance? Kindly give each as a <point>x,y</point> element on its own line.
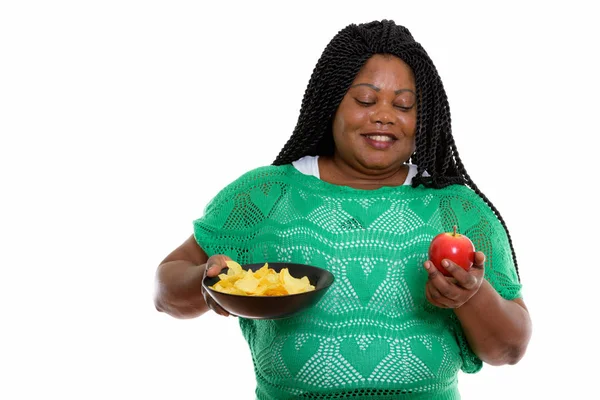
<point>335,71</point>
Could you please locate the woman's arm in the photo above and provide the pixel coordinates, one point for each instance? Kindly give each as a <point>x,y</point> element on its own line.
<point>179,281</point>
<point>498,330</point>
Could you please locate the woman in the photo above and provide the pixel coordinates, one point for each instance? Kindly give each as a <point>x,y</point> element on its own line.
<point>370,175</point>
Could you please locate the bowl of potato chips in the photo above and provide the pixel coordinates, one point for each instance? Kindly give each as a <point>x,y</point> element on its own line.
<point>268,290</point>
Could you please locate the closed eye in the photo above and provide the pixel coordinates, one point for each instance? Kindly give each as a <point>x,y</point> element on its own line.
<point>364,103</point>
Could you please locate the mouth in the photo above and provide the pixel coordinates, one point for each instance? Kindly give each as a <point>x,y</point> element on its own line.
<point>380,140</point>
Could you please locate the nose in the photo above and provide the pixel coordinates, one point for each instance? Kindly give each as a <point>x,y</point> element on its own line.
<point>383,115</point>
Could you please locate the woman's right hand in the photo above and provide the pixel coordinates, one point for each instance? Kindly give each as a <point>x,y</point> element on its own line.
<point>213,267</point>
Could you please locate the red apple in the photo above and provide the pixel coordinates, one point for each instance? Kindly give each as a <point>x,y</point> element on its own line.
<point>454,247</point>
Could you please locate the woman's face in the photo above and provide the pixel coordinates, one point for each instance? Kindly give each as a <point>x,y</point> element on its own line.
<point>374,126</point>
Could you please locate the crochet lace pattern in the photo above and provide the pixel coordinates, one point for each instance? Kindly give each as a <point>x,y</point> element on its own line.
<point>374,334</point>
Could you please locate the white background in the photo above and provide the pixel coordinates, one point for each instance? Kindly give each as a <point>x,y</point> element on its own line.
<point>119,120</point>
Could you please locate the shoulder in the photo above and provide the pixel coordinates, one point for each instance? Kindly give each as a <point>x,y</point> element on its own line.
<point>254,189</point>
<point>260,175</point>
<point>455,204</point>
<point>467,197</point>
<point>459,192</point>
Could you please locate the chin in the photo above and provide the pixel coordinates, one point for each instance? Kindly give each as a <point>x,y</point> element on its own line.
<point>378,162</point>
<point>376,165</point>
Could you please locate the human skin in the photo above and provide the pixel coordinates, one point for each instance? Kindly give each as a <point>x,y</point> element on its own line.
<point>381,101</point>
<point>374,135</point>
<point>178,281</point>
<point>374,127</point>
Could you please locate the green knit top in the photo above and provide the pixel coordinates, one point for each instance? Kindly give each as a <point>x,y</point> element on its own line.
<point>373,335</point>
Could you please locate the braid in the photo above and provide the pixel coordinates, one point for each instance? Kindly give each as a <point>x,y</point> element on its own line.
<point>342,59</point>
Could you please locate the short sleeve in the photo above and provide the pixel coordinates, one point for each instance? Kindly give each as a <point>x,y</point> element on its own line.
<point>210,230</point>
<point>231,218</point>
<point>475,219</point>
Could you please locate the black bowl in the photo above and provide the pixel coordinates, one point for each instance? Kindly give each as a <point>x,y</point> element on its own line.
<point>273,307</point>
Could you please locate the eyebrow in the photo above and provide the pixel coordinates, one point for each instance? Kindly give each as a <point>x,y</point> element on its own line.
<point>375,88</point>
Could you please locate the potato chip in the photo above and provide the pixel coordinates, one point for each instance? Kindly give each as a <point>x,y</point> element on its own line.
<point>262,272</point>
<point>248,283</point>
<point>234,268</point>
<point>263,282</point>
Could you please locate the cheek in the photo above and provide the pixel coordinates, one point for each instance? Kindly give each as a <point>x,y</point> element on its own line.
<point>347,121</point>
<point>337,126</point>
<point>409,123</point>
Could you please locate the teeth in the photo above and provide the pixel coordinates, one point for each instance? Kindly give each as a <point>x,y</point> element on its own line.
<point>380,138</point>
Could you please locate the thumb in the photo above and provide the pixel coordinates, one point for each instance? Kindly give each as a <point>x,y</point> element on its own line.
<point>479,260</point>
<point>215,264</point>
<point>478,263</point>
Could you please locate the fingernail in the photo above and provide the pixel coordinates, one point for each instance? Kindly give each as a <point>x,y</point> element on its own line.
<point>445,263</point>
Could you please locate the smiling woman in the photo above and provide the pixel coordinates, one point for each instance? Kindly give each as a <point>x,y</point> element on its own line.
<point>374,126</point>
<point>368,178</point>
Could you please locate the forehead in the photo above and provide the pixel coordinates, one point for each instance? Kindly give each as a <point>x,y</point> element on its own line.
<point>385,69</point>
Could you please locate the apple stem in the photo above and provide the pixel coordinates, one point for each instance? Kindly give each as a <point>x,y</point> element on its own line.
<point>454,230</point>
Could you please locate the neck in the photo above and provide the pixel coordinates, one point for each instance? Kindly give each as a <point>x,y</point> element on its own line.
<point>336,171</point>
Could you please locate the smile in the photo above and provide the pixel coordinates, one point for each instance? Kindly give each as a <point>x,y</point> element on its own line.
<point>379,141</point>
<point>381,138</point>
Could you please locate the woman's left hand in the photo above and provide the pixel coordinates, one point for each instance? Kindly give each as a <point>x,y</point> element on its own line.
<point>453,291</point>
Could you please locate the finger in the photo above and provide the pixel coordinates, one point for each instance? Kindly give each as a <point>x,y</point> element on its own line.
<point>217,308</point>
<point>462,278</point>
<point>215,264</point>
<point>479,260</point>
<point>212,304</point>
<point>431,300</point>
<point>432,271</point>
<point>442,285</point>
<point>218,259</point>
<point>213,267</point>
<point>213,270</point>
<point>438,299</point>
